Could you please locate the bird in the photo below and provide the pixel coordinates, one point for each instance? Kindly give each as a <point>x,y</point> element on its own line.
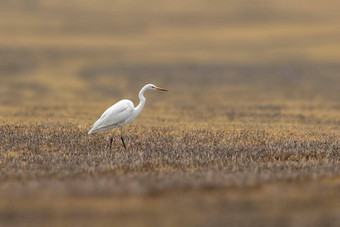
<point>122,113</point>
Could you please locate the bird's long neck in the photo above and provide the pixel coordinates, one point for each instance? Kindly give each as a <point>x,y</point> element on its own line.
<point>142,100</point>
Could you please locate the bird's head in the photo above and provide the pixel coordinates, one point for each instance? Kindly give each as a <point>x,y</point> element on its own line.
<point>154,87</point>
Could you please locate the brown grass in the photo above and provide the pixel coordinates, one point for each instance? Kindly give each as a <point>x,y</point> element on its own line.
<point>61,151</point>
<point>162,166</point>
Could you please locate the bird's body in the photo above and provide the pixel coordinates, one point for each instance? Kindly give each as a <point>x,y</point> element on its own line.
<point>117,115</point>
<point>122,113</point>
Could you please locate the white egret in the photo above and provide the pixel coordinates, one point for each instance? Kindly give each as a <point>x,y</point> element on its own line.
<point>121,113</point>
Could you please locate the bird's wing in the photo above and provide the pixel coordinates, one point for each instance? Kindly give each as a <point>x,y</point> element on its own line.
<point>116,114</point>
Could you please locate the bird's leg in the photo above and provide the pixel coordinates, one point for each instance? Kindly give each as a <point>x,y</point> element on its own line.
<point>123,142</point>
<point>111,139</point>
<point>121,136</point>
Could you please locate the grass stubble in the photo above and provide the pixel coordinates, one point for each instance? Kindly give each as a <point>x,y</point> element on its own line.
<point>54,173</point>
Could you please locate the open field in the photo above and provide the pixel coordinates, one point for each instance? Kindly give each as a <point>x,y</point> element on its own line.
<point>170,175</point>
<point>248,134</point>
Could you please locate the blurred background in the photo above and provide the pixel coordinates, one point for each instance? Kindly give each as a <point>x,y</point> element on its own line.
<point>227,60</point>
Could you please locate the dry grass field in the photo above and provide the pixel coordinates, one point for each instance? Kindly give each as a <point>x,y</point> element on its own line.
<point>248,134</point>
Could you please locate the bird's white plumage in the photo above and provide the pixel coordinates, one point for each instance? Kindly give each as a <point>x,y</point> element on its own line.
<point>117,115</point>
<point>122,112</point>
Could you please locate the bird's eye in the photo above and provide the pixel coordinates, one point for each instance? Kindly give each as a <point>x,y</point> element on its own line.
<point>153,86</point>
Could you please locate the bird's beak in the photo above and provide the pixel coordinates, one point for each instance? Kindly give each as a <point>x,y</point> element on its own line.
<point>161,89</point>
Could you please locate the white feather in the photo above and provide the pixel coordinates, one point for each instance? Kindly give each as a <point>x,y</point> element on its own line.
<point>122,112</point>
<point>116,115</point>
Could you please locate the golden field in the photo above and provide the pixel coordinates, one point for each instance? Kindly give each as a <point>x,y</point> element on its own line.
<point>248,134</point>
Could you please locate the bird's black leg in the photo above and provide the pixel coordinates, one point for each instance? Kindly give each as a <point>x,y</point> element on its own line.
<point>111,139</point>
<point>123,142</point>
<point>121,136</point>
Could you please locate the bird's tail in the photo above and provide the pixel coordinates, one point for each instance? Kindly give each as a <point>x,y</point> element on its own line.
<point>91,131</point>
